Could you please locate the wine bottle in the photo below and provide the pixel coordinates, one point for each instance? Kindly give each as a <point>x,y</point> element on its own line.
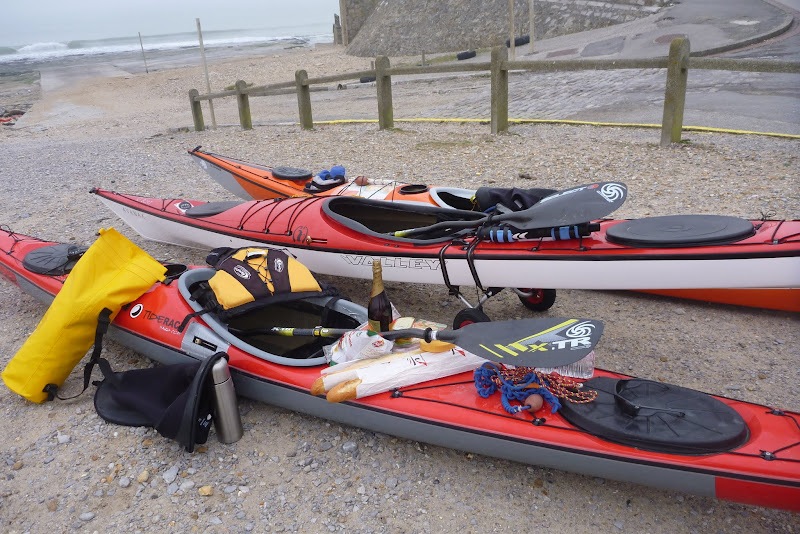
<point>379,309</point>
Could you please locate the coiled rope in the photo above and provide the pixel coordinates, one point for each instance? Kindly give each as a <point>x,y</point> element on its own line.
<point>518,383</point>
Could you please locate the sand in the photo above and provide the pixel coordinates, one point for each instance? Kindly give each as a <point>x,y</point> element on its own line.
<point>65,470</point>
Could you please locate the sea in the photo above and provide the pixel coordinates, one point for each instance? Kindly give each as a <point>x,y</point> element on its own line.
<point>140,53</point>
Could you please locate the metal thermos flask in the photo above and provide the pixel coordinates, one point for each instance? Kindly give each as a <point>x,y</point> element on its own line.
<point>226,411</point>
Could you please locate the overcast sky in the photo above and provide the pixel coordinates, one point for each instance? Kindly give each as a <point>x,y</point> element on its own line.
<point>30,21</point>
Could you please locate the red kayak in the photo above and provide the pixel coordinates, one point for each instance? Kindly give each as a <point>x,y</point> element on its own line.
<point>692,442</point>
<point>340,236</point>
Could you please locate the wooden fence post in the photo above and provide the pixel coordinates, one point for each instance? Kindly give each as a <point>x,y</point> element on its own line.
<point>499,104</point>
<point>243,100</point>
<point>675,94</point>
<point>304,99</point>
<point>197,110</point>
<point>383,83</point>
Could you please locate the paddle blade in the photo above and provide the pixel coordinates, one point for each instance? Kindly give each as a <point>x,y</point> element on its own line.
<point>544,342</point>
<point>572,206</point>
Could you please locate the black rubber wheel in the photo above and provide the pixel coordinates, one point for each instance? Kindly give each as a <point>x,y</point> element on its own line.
<point>466,55</point>
<point>540,300</point>
<point>469,316</point>
<point>519,41</point>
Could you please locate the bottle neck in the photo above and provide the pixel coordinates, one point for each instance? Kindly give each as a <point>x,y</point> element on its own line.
<point>377,279</point>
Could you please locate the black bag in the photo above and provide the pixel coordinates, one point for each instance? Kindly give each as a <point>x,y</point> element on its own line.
<point>176,400</point>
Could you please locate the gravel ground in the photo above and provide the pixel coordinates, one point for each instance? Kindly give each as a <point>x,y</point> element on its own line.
<point>66,470</point>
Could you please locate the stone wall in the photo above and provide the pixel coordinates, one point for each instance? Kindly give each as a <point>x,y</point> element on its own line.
<point>354,15</point>
<point>411,27</point>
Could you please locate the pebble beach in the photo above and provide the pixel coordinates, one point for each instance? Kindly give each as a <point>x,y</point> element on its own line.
<point>66,470</point>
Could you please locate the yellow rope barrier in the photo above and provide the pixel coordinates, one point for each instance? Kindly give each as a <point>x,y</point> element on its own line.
<point>578,123</point>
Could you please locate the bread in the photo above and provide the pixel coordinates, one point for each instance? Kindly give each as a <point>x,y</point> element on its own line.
<point>344,391</point>
<point>318,387</point>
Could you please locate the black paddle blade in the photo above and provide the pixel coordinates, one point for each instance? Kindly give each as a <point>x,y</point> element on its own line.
<point>572,206</point>
<point>545,342</point>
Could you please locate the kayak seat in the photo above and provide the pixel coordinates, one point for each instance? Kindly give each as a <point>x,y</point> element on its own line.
<point>378,218</point>
<point>211,208</point>
<point>297,314</point>
<point>680,231</point>
<point>657,417</point>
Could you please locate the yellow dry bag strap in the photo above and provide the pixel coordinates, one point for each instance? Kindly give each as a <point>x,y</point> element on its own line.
<point>103,320</point>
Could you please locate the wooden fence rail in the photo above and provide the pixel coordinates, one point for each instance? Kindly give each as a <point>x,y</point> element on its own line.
<point>677,65</point>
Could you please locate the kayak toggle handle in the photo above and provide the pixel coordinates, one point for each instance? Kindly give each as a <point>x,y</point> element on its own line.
<point>506,234</point>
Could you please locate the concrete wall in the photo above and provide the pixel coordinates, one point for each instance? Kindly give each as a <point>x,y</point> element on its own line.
<point>410,27</point>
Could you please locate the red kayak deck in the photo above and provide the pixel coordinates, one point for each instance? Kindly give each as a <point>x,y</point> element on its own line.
<point>765,471</point>
<point>321,234</point>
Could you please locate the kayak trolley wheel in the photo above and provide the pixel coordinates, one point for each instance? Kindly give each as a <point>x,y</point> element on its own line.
<point>470,316</point>
<point>537,300</point>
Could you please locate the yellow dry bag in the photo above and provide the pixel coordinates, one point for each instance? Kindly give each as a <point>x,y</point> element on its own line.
<point>111,273</point>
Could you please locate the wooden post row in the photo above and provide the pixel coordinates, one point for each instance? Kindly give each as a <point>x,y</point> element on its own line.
<point>383,83</point>
<point>197,110</point>
<point>243,101</point>
<point>304,99</point>
<point>675,93</point>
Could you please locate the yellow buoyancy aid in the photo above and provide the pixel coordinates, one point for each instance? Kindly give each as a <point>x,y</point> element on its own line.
<point>111,273</point>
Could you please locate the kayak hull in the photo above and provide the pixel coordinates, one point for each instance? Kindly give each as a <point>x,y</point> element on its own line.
<point>782,299</point>
<point>304,227</point>
<point>470,423</point>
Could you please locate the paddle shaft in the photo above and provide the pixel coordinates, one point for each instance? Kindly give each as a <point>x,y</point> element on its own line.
<point>321,331</point>
<point>545,342</point>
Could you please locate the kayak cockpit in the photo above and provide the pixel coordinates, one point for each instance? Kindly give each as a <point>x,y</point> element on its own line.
<point>380,219</point>
<point>303,313</point>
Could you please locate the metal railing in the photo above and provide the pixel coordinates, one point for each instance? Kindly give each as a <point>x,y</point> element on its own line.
<point>677,65</point>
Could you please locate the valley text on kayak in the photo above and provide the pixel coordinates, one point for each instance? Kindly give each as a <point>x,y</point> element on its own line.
<point>428,264</point>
